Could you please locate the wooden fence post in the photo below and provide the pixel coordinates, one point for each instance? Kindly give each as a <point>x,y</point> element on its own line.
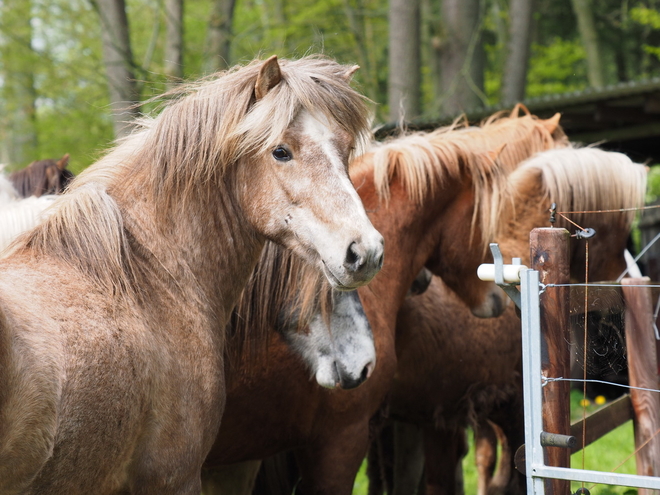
<point>642,372</point>
<point>550,256</point>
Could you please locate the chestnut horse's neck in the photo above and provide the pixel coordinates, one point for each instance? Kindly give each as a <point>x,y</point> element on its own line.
<point>412,232</point>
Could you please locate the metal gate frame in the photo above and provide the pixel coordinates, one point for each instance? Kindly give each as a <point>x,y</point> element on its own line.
<point>536,469</point>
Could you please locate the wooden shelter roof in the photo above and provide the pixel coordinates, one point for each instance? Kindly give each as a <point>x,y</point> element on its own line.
<point>623,117</point>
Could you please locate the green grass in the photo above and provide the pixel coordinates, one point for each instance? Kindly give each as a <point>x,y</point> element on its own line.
<point>607,455</point>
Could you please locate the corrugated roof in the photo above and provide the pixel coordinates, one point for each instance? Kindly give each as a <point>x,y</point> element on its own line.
<point>555,102</point>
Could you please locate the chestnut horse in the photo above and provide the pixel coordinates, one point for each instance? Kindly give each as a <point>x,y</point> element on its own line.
<point>42,177</point>
<point>112,311</point>
<point>455,370</point>
<point>421,192</point>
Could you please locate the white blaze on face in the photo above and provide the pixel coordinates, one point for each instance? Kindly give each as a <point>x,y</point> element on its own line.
<point>333,239</point>
<point>318,129</point>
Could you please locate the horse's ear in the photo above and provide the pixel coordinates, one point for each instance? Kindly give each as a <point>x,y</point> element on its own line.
<point>552,123</point>
<point>269,77</point>
<point>348,75</point>
<point>515,113</point>
<point>63,162</point>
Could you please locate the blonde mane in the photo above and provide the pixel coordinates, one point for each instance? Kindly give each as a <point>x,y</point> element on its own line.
<point>586,179</point>
<point>423,161</point>
<point>182,157</point>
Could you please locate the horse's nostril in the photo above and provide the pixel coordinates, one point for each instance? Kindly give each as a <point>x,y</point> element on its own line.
<point>353,258</point>
<point>365,374</point>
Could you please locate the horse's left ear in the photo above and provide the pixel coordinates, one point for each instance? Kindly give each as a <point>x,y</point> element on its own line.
<point>552,123</point>
<point>63,162</point>
<point>348,75</point>
<point>269,77</point>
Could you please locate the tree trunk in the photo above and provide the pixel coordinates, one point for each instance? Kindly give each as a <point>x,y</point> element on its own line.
<point>517,61</point>
<point>461,56</point>
<point>118,60</point>
<point>18,91</point>
<point>218,38</point>
<point>173,41</point>
<point>404,59</point>
<point>587,27</point>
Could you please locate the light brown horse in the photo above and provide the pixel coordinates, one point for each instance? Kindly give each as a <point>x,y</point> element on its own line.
<point>420,192</point>
<point>455,370</point>
<point>112,311</point>
<point>42,177</point>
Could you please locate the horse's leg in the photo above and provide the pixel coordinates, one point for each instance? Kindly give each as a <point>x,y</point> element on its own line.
<point>502,477</point>
<point>485,453</point>
<point>231,479</point>
<point>379,461</point>
<point>509,417</point>
<point>330,464</point>
<point>444,450</point>
<point>408,458</point>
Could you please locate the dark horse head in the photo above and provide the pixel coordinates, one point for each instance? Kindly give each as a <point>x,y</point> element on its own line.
<point>42,177</point>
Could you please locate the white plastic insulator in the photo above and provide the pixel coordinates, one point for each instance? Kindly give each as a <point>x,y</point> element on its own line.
<point>511,273</point>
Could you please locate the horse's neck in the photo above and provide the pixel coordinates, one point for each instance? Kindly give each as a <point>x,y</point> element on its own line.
<point>411,233</point>
<point>206,252</point>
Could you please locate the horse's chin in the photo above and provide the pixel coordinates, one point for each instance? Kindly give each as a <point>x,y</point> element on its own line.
<point>334,281</point>
<point>494,305</point>
<point>327,378</point>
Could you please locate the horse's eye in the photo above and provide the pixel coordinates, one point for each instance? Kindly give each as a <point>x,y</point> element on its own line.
<point>281,154</point>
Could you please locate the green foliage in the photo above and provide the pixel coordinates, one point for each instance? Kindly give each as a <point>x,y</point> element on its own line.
<point>646,16</point>
<point>558,67</point>
<point>653,184</point>
<point>651,18</point>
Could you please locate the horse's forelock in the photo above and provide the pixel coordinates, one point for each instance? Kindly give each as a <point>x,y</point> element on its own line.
<point>315,84</point>
<point>209,126</point>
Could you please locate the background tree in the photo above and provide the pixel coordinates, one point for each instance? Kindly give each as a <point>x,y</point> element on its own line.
<point>461,56</point>
<point>585,16</point>
<point>119,64</point>
<point>18,91</point>
<point>404,59</point>
<point>219,36</point>
<point>514,78</point>
<point>173,52</point>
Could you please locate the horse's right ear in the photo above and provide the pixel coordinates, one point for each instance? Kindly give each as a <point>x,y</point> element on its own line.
<point>515,113</point>
<point>269,77</point>
<point>63,162</point>
<point>348,75</point>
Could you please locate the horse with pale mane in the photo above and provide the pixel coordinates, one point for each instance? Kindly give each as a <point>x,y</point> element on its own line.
<point>112,311</point>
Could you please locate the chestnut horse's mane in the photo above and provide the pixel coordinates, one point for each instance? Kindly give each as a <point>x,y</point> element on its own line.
<point>422,160</point>
<point>179,158</point>
<point>585,179</point>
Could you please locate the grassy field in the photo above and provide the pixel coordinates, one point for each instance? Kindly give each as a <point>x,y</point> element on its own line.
<point>613,452</point>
